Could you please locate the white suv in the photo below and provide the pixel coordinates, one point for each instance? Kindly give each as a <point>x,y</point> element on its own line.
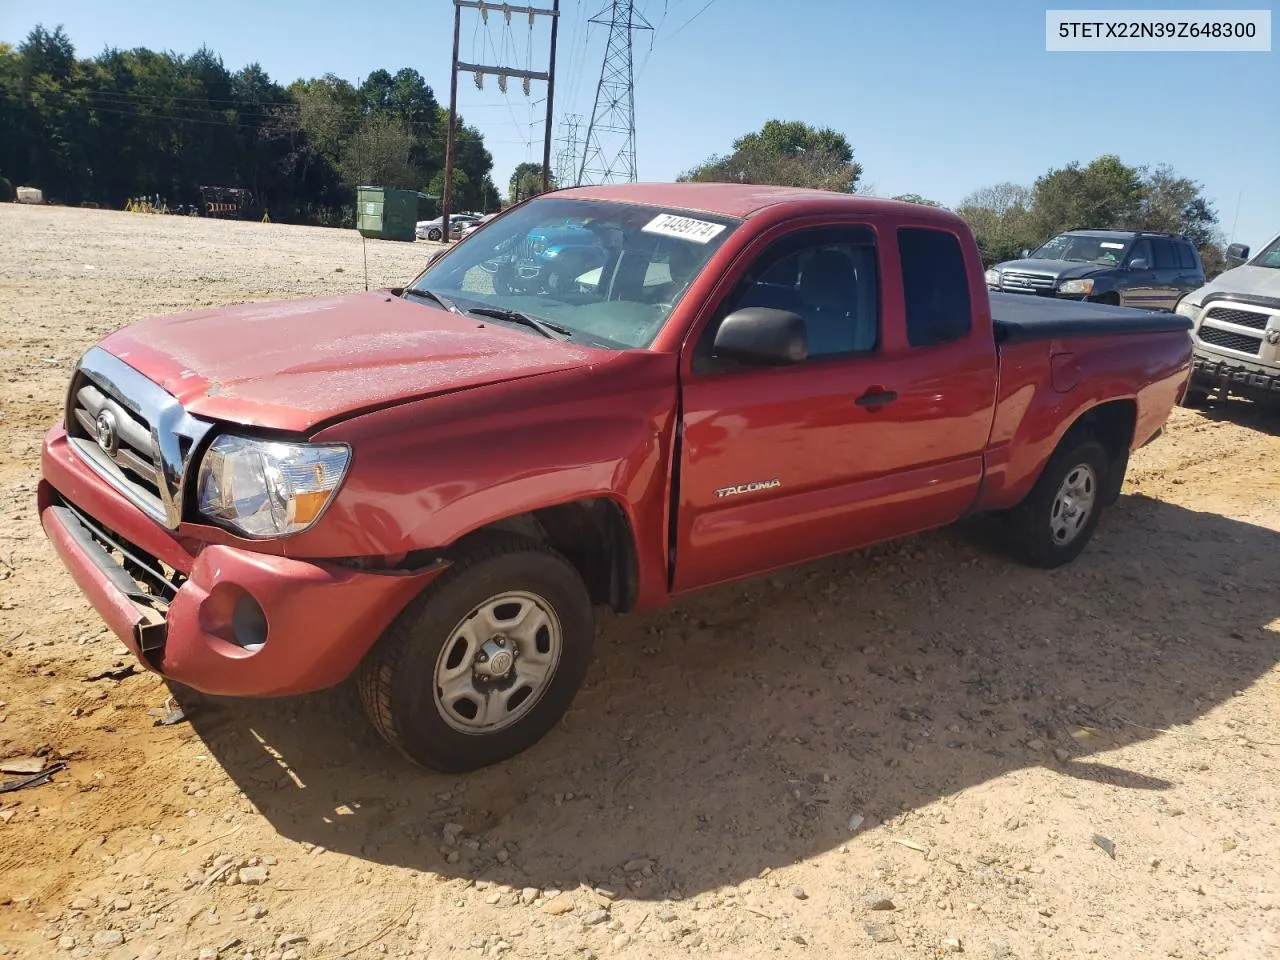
<point>1236,332</point>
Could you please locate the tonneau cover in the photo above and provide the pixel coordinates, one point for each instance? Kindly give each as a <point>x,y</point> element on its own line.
<point>1020,316</point>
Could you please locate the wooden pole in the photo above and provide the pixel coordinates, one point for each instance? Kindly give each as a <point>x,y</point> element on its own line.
<point>551,92</point>
<point>447,199</point>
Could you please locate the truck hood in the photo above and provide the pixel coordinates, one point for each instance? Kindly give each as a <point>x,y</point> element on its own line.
<point>1245,281</point>
<point>1062,269</point>
<point>293,364</point>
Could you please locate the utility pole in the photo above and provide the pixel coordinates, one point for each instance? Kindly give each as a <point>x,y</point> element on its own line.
<point>446,201</point>
<point>502,73</point>
<point>609,154</point>
<point>551,93</point>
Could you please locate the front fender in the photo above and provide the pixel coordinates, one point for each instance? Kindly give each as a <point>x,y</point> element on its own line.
<point>427,473</point>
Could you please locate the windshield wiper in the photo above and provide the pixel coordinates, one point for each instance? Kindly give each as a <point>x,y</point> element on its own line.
<point>551,330</point>
<point>432,295</point>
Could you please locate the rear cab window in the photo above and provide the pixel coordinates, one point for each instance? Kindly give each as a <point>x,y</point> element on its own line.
<point>935,286</point>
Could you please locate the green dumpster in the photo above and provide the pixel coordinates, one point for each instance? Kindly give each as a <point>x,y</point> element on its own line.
<point>385,213</point>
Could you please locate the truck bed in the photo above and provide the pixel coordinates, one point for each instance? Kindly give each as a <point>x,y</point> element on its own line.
<point>1019,316</point>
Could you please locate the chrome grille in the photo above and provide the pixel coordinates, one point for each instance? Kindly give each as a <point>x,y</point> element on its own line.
<point>1230,341</point>
<point>132,433</point>
<point>121,436</point>
<point>529,248</point>
<point>1241,318</point>
<point>1020,281</point>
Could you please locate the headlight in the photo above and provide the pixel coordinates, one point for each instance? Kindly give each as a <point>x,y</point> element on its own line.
<point>1076,287</point>
<point>268,489</point>
<point>1189,310</point>
<point>993,278</point>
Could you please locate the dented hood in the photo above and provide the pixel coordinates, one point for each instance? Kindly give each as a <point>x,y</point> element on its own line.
<point>293,364</point>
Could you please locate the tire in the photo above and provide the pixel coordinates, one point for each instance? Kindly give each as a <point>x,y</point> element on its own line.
<point>435,233</point>
<point>1034,527</point>
<point>400,679</point>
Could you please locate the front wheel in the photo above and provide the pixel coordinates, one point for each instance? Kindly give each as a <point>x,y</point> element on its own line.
<point>485,661</point>
<point>1056,520</point>
<point>435,233</point>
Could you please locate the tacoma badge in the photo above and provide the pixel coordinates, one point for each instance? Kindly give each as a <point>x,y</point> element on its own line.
<point>752,487</point>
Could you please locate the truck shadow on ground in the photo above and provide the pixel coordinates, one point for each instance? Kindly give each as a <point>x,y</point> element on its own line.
<point>743,728</point>
<point>1256,415</point>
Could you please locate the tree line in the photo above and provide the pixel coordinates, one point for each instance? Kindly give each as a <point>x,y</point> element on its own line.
<point>129,123</point>
<point>1005,218</point>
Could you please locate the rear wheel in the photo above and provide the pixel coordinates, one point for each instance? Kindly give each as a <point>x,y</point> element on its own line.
<point>1056,520</point>
<point>485,662</point>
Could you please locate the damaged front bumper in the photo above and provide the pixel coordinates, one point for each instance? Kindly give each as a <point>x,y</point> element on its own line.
<point>219,619</point>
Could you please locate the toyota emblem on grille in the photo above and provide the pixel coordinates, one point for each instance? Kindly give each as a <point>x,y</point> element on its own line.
<point>1273,337</point>
<point>105,430</point>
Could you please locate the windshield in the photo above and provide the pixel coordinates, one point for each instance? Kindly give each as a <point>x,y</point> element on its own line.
<point>607,274</point>
<point>1269,257</point>
<point>1082,249</point>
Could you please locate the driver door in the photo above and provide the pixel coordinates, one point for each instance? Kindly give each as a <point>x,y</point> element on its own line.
<point>872,437</point>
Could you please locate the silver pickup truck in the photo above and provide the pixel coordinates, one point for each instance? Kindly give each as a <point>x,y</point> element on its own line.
<point>1236,330</point>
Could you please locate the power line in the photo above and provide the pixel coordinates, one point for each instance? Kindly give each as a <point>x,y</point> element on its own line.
<point>609,154</point>
<point>704,9</point>
<point>503,73</point>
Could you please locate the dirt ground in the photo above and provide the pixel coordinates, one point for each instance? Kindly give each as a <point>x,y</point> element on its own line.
<point>903,753</point>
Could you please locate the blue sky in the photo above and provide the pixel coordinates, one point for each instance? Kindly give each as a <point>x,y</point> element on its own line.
<point>937,97</point>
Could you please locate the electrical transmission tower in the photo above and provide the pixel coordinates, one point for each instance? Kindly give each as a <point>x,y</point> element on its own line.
<point>567,156</point>
<point>609,152</point>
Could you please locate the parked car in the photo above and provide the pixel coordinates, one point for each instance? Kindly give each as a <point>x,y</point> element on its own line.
<point>430,488</point>
<point>1122,267</point>
<point>472,226</point>
<point>1236,330</point>
<point>434,229</point>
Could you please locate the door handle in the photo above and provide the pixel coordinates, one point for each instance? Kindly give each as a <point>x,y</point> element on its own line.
<point>876,397</point>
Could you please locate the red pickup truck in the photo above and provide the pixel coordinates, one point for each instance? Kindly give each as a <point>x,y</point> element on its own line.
<point>606,396</point>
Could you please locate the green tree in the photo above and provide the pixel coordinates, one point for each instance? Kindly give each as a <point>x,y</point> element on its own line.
<point>1174,204</point>
<point>916,198</point>
<point>1106,193</point>
<point>1000,218</point>
<point>786,153</point>
<point>380,153</point>
<point>526,182</point>
<point>133,122</point>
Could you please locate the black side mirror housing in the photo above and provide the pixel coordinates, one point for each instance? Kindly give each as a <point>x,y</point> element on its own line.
<point>1238,253</point>
<point>762,335</point>
<point>1138,263</point>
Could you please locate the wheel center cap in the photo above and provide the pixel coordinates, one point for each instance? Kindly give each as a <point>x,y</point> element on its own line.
<point>501,662</point>
<point>496,658</point>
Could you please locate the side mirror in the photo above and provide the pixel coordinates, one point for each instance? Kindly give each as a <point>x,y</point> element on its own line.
<point>762,335</point>
<point>1138,263</point>
<point>1238,252</point>
<point>1026,252</point>
<point>436,256</point>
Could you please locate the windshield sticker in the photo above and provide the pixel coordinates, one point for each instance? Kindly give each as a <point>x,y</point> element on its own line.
<point>1110,245</point>
<point>685,228</point>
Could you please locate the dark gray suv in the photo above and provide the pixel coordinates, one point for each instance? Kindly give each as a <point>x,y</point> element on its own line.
<point>1127,267</point>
